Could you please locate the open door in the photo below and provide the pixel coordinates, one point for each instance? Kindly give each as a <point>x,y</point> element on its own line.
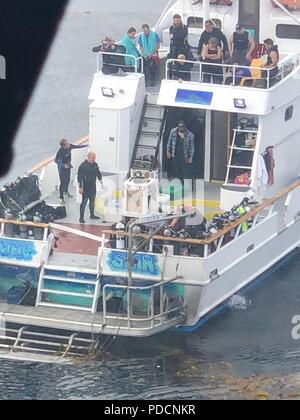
<point>249,11</point>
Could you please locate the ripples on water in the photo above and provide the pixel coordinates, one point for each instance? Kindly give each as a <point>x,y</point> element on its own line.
<point>173,366</point>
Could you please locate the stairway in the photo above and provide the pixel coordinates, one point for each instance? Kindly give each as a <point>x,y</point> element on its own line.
<point>68,288</point>
<point>146,150</point>
<point>44,344</point>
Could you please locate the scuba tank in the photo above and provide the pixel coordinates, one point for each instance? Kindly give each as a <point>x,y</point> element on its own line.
<point>8,228</point>
<point>120,239</point>
<point>136,230</point>
<point>38,232</point>
<point>183,247</point>
<point>23,228</point>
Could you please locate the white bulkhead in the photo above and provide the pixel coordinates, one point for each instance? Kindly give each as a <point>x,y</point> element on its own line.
<point>114,119</point>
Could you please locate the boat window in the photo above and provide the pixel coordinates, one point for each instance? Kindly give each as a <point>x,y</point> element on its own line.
<point>197,22</point>
<point>289,113</point>
<point>288,31</point>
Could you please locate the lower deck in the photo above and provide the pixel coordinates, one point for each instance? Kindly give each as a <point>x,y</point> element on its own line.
<point>80,321</point>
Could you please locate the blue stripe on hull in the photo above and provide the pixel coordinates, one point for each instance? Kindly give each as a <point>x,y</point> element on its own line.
<point>224,305</point>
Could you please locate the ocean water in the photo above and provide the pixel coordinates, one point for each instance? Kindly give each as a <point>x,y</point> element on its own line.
<point>238,354</point>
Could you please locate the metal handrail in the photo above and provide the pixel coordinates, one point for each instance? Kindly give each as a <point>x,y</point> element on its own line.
<point>151,288</point>
<point>293,60</point>
<point>139,62</point>
<point>258,209</point>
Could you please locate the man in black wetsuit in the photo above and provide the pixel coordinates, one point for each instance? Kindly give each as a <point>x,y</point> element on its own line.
<point>64,164</point>
<point>212,32</point>
<point>88,174</point>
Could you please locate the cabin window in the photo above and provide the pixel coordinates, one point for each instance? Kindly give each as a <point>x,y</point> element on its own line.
<point>198,23</point>
<point>195,22</point>
<point>288,31</point>
<point>289,113</point>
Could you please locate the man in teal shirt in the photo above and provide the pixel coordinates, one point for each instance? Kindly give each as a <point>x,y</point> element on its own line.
<point>128,41</point>
<point>149,44</point>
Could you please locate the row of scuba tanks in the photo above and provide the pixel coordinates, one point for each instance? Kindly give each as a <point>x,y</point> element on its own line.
<point>23,231</point>
<point>203,231</point>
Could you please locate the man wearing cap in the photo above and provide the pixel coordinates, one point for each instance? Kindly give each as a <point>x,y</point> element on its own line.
<point>241,45</point>
<point>180,152</point>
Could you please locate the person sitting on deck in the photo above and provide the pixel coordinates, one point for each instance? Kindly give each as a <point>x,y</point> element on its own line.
<point>272,62</point>
<point>182,69</point>
<point>63,160</point>
<point>212,54</point>
<point>239,72</point>
<point>178,33</point>
<point>128,41</point>
<point>149,43</point>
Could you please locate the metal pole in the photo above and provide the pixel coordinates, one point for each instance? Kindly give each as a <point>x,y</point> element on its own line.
<point>206,6</point>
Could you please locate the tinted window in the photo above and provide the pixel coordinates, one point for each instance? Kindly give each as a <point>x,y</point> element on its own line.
<point>289,113</point>
<point>195,22</point>
<point>288,31</point>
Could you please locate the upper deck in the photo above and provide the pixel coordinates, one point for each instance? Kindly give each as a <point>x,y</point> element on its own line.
<point>260,94</point>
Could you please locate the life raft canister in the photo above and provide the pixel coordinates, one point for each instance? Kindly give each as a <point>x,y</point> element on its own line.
<point>289,4</point>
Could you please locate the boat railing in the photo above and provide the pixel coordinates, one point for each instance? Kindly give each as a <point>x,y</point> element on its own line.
<point>228,74</point>
<point>231,231</point>
<point>28,225</point>
<point>136,67</point>
<point>160,310</point>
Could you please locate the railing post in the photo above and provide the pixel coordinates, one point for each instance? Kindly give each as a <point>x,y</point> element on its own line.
<point>129,303</point>
<point>104,306</point>
<point>200,72</point>
<point>161,291</point>
<point>152,306</point>
<point>268,79</point>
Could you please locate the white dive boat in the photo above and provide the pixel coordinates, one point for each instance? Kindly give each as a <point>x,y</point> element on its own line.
<point>61,280</point>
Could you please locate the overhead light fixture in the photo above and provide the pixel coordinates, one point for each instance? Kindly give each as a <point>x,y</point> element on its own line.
<point>240,103</point>
<point>108,92</point>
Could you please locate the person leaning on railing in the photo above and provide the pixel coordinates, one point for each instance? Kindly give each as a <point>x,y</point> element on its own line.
<point>181,69</point>
<point>212,54</point>
<point>272,62</point>
<point>111,62</point>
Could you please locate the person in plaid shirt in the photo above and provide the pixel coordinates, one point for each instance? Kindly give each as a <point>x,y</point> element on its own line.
<point>180,152</point>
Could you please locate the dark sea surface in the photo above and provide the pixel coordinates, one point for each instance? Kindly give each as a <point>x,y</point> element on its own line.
<point>238,354</point>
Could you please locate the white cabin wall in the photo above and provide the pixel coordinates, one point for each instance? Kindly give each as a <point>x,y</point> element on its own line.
<point>270,18</point>
<point>285,136</point>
